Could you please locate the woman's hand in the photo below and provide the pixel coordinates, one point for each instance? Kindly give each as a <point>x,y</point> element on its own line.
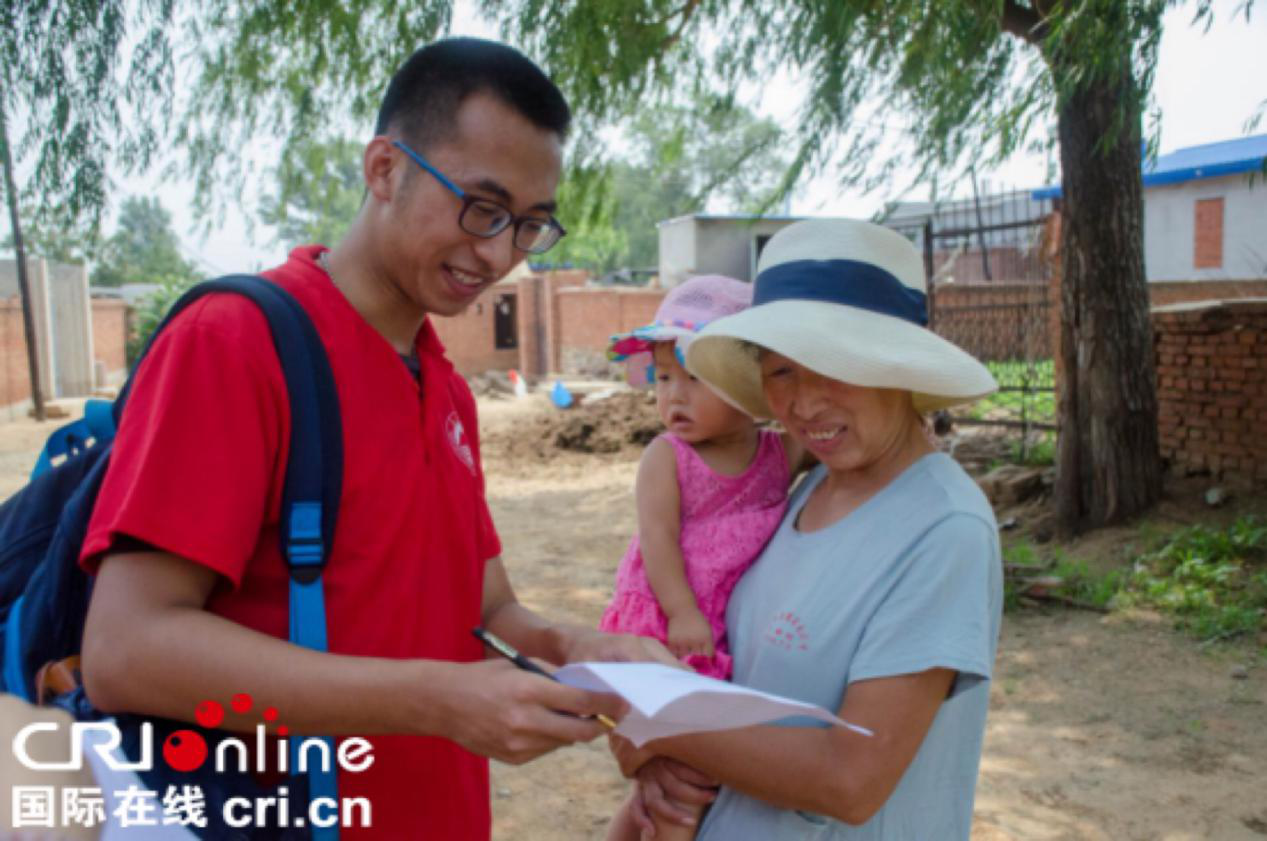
<point>586,645</point>
<point>672,792</point>
<point>690,633</point>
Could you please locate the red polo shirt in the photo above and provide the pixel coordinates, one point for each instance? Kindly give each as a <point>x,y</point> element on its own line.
<point>198,469</point>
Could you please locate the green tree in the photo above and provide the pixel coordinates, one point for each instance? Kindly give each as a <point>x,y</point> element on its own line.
<point>143,249</point>
<point>978,80</point>
<point>49,238</point>
<point>679,159</point>
<point>65,112</point>
<point>318,192</point>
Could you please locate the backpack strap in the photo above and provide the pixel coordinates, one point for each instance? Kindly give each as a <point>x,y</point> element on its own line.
<point>314,471</point>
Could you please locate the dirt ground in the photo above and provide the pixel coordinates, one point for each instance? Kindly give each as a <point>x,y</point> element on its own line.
<point>1101,727</point>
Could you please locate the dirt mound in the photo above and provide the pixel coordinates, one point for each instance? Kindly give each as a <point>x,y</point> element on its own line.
<point>624,422</point>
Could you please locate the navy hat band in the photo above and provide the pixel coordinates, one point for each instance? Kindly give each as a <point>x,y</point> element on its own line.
<point>851,283</point>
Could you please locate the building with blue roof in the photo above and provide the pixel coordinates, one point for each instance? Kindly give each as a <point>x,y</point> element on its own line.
<point>1205,212</point>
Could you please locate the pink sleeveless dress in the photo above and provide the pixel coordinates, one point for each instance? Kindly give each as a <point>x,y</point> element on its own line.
<point>726,522</point>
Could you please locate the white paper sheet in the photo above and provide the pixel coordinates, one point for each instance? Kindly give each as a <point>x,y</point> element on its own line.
<point>669,702</point>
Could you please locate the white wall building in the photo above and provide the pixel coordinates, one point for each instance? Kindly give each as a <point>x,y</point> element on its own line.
<point>1205,212</point>
<point>705,244</point>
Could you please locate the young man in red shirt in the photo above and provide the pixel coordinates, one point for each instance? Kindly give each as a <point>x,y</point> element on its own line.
<point>190,600</point>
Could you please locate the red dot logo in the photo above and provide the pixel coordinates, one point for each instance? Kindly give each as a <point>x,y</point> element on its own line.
<point>241,703</point>
<point>209,714</point>
<point>270,714</point>
<point>185,750</point>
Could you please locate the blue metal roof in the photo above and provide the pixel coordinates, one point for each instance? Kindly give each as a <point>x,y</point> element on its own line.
<point>1227,157</point>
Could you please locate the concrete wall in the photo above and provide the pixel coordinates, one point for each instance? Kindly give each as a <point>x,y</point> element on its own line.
<point>71,323</point>
<point>1212,389</point>
<point>695,245</point>
<point>1171,235</point>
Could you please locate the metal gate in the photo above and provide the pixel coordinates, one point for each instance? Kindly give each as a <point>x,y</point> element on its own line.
<point>989,293</point>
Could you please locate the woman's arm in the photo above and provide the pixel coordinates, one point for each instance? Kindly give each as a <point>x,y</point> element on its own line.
<point>834,772</point>
<point>659,535</point>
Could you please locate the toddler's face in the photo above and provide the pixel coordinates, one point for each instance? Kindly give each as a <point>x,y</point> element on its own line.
<point>689,408</point>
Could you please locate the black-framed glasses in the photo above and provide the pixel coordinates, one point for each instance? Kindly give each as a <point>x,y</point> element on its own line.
<point>486,218</point>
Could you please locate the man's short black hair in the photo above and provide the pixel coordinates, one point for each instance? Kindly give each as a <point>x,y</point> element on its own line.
<point>423,97</point>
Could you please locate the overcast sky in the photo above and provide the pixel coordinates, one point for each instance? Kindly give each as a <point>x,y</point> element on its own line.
<point>1207,85</point>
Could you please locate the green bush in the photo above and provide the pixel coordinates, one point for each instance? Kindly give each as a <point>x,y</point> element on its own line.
<point>151,309</point>
<point>1214,582</point>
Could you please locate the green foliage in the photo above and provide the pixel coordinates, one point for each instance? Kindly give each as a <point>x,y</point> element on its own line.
<point>678,159</point>
<point>1037,402</point>
<point>55,239</point>
<point>1035,451</point>
<point>319,189</point>
<point>291,71</point>
<point>149,311</point>
<point>1213,581</point>
<point>1077,582</point>
<point>143,249</point>
<point>83,84</point>
<point>980,80</point>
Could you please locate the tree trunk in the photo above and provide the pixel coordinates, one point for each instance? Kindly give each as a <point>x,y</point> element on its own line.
<point>19,252</point>
<point>1109,467</point>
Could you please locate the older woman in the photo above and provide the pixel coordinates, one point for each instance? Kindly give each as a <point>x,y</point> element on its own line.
<point>880,594</point>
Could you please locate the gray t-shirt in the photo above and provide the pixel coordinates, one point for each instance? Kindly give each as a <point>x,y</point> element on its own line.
<point>911,580</point>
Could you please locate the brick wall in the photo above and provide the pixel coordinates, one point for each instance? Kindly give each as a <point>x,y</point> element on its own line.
<point>110,338</point>
<point>470,337</point>
<point>587,318</point>
<point>109,346</point>
<point>1212,388</point>
<point>994,321</point>
<point>1165,293</point>
<point>1207,248</point>
<point>15,382</point>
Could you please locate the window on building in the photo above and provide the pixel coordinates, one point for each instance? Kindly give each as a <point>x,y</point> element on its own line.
<point>1207,246</point>
<point>505,323</point>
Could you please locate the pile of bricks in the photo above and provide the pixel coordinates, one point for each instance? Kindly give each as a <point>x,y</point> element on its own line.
<point>1212,388</point>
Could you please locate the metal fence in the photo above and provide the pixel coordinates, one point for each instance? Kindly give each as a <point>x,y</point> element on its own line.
<point>989,293</point>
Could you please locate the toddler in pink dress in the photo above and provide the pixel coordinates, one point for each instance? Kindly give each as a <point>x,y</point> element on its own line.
<point>710,491</point>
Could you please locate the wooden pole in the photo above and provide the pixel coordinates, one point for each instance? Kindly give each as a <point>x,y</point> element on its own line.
<point>19,249</point>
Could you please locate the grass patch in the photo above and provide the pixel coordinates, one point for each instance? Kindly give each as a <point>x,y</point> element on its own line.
<point>1038,451</point>
<point>1056,578</point>
<point>1211,581</point>
<point>1037,402</point>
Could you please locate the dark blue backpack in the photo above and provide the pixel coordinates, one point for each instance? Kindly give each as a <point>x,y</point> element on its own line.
<point>44,594</point>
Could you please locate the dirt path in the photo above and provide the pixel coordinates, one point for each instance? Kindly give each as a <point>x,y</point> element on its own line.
<point>1107,728</point>
<point>1100,727</point>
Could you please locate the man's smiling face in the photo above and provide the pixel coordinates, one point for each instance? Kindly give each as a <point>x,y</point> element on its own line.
<point>493,153</point>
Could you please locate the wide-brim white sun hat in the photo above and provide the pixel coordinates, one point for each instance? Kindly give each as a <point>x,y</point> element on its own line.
<point>846,299</point>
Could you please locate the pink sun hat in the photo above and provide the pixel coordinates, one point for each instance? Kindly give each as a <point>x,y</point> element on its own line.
<point>682,314</point>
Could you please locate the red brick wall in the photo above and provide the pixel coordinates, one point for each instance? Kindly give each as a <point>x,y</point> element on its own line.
<point>994,321</point>
<point>469,337</point>
<point>109,344</point>
<point>15,381</point>
<point>110,336</point>
<point>1165,293</point>
<point>589,316</point>
<point>1212,389</point>
<point>1207,246</point>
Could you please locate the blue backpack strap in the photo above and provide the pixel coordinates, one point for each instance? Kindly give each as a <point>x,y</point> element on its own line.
<point>314,471</point>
